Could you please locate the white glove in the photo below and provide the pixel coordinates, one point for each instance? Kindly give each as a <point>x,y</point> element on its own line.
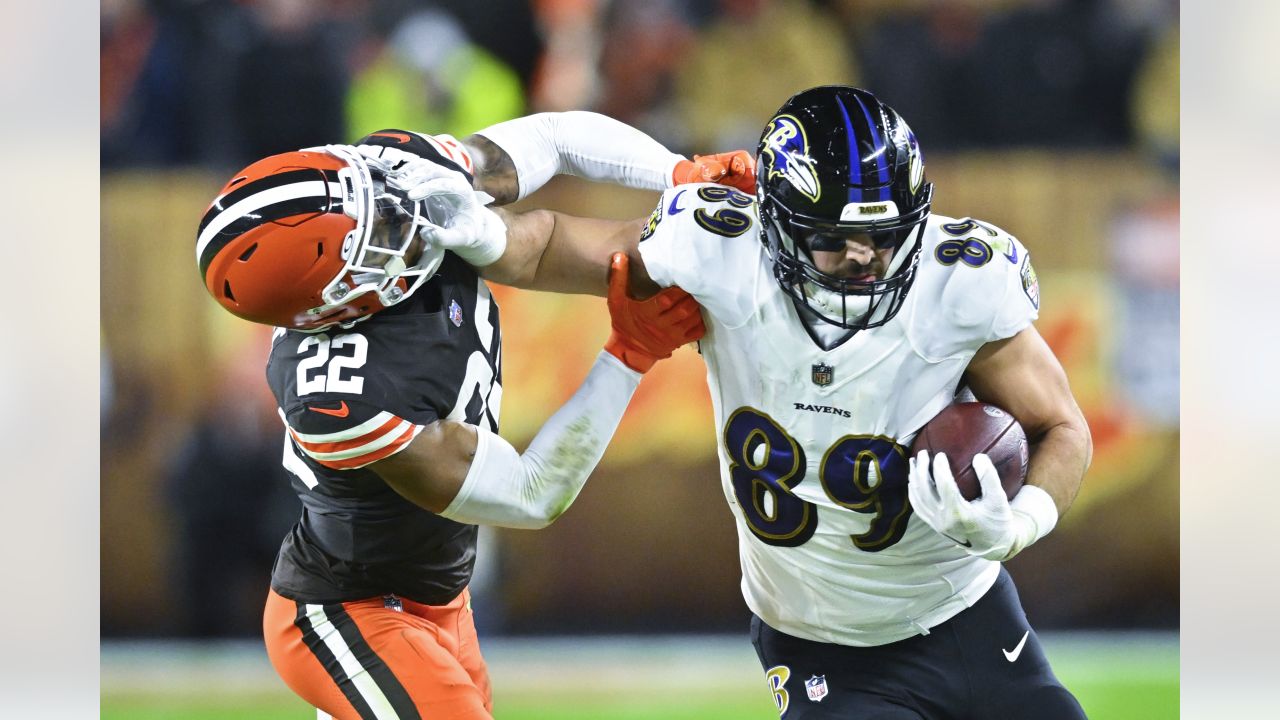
<point>989,526</point>
<point>414,171</point>
<point>387,159</point>
<point>457,218</point>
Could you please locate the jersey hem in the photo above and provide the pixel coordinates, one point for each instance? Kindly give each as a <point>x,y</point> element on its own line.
<point>302,597</point>
<point>949,608</point>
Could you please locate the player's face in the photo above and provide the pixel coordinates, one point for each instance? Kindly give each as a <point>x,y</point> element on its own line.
<point>860,259</point>
<point>393,231</point>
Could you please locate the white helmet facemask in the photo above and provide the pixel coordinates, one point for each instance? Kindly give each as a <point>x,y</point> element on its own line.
<point>843,307</point>
<point>378,251</point>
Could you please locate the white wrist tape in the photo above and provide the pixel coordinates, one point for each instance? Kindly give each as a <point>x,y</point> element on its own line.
<point>1035,514</point>
<point>586,144</point>
<point>489,243</point>
<point>531,490</point>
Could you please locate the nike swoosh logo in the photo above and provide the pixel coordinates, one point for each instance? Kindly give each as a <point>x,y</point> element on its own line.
<point>672,209</point>
<point>1011,656</point>
<point>1012,256</point>
<point>966,543</point>
<point>398,137</point>
<point>341,411</point>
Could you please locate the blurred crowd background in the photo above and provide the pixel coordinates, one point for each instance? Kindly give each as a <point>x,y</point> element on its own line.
<point>1055,119</point>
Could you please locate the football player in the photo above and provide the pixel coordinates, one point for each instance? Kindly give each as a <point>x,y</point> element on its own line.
<point>842,314</point>
<point>386,365</point>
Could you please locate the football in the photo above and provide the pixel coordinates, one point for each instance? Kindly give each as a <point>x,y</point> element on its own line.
<point>965,429</point>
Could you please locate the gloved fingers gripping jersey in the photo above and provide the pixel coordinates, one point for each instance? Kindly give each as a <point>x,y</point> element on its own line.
<point>457,220</point>
<point>437,173</point>
<point>736,169</point>
<point>646,331</point>
<point>412,175</point>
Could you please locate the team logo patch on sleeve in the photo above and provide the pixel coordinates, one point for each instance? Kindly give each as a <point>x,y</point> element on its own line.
<point>650,227</point>
<point>1030,283</point>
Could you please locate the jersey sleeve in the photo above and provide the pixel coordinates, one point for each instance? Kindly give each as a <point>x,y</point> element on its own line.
<point>1021,304</point>
<point>981,281</point>
<point>705,240</point>
<point>347,433</point>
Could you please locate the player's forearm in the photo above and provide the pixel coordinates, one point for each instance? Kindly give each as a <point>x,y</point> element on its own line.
<point>528,234</point>
<point>532,489</point>
<point>1059,459</point>
<point>554,252</point>
<point>517,157</point>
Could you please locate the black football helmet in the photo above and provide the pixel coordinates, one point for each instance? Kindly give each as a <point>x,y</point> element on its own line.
<point>836,161</point>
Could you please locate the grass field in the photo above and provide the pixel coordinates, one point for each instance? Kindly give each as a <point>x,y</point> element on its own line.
<point>1115,676</point>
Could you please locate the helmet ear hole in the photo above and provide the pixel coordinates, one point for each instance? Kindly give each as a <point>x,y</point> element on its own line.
<point>244,256</point>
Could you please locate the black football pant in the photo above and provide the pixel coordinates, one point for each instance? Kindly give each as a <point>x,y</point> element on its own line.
<point>961,670</point>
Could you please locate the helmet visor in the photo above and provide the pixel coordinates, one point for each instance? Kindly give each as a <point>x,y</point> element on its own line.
<point>394,222</point>
<point>835,240</point>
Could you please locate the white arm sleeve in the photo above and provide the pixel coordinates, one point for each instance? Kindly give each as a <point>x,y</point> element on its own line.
<point>586,144</point>
<point>507,489</point>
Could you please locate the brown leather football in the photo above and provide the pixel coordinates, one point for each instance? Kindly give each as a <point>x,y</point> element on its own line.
<point>965,429</point>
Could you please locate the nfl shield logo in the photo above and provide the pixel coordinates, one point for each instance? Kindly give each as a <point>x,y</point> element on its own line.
<point>455,313</point>
<point>822,374</point>
<point>816,687</point>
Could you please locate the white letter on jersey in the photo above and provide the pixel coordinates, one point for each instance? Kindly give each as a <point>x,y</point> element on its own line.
<point>479,378</point>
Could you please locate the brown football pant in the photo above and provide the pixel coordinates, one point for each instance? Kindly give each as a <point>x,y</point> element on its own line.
<point>380,658</point>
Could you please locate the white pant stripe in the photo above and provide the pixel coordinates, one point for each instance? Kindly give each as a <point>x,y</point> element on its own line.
<point>360,677</point>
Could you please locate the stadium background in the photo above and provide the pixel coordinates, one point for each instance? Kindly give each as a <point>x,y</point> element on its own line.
<point>1056,120</point>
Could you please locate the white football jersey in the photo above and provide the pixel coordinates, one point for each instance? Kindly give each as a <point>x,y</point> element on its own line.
<point>813,443</point>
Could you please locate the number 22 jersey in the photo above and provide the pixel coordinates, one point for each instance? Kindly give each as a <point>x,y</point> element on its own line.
<point>813,443</point>
<point>351,397</point>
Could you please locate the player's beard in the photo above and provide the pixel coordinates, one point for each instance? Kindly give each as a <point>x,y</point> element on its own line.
<point>848,308</point>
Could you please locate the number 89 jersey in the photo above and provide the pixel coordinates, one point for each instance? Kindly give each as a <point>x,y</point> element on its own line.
<point>352,397</point>
<point>813,442</point>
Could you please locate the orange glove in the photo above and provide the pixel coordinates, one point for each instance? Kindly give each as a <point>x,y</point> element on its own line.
<point>735,169</point>
<point>646,331</point>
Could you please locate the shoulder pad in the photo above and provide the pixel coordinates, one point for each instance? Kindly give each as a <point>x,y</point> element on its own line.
<point>443,150</point>
<point>976,275</point>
